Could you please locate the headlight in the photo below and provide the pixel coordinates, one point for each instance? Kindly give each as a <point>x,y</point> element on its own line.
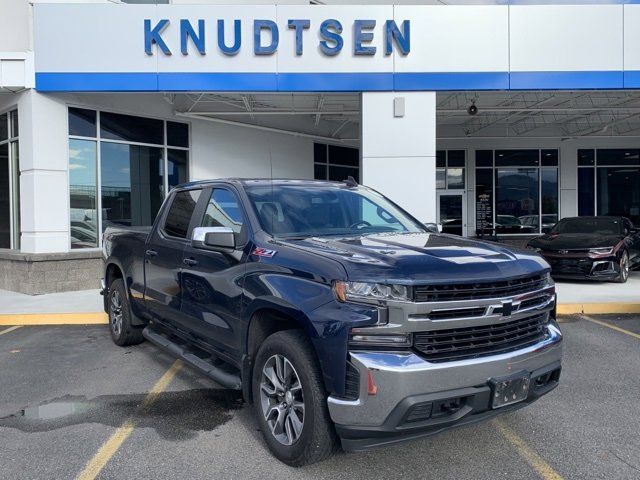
<point>601,251</point>
<point>369,292</point>
<point>548,280</point>
<point>379,340</point>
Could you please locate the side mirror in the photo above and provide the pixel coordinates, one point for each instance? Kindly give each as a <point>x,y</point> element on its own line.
<point>213,238</point>
<point>433,227</point>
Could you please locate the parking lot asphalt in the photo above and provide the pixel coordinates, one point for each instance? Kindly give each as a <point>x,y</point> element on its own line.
<point>73,404</point>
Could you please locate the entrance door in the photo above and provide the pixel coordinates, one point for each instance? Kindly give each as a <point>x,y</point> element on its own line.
<point>452,212</point>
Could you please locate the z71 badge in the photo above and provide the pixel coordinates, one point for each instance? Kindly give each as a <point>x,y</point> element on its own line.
<point>263,252</point>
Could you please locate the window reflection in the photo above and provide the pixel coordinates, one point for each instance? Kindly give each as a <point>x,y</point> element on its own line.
<point>132,177</point>
<point>517,200</point>
<point>335,163</point>
<point>132,184</point>
<point>5,204</point>
<point>549,192</point>
<point>619,192</point>
<point>177,167</point>
<point>83,193</point>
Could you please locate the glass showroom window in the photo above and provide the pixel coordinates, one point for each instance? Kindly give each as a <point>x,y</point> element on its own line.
<point>516,190</point>
<point>9,181</point>
<point>334,163</point>
<point>120,168</point>
<point>450,169</point>
<point>609,182</point>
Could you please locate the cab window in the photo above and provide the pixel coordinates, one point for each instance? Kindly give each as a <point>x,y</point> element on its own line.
<point>179,215</point>
<point>223,210</point>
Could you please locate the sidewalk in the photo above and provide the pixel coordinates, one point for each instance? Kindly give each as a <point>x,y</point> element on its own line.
<point>73,308</point>
<point>599,297</point>
<point>85,307</point>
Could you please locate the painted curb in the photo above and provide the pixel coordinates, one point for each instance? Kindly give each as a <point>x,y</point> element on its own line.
<point>91,318</point>
<point>597,308</point>
<point>100,318</point>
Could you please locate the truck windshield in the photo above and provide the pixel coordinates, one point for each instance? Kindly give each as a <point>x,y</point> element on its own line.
<point>318,210</point>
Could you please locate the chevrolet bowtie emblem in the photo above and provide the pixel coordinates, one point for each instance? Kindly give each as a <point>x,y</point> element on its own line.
<point>507,308</point>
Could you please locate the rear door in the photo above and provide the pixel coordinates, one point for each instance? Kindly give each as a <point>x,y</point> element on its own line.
<point>212,281</point>
<point>164,255</point>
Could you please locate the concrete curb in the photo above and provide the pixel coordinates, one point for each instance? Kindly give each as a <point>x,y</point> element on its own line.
<point>597,308</point>
<point>100,318</point>
<point>90,318</point>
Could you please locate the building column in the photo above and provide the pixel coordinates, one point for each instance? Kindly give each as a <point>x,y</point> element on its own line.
<point>44,184</point>
<point>398,149</point>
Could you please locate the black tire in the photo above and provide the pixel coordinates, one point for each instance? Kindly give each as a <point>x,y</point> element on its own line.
<point>623,267</point>
<point>119,311</point>
<point>317,438</point>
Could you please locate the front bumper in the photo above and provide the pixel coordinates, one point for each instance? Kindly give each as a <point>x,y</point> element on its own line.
<point>416,398</point>
<point>584,267</point>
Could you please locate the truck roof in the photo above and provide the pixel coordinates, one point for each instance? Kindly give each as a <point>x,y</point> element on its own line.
<point>263,182</point>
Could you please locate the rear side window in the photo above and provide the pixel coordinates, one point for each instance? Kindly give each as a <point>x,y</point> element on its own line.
<point>180,213</point>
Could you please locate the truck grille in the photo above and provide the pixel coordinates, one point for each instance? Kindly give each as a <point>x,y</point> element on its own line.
<point>472,342</point>
<point>473,291</point>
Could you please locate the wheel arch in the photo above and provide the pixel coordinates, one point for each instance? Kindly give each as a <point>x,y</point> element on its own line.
<point>265,319</point>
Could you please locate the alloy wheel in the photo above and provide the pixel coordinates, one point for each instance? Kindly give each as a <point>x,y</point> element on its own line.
<point>115,313</point>
<point>282,399</point>
<point>624,266</point>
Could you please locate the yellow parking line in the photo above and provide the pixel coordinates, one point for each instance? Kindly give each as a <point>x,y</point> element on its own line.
<point>113,444</point>
<point>10,329</point>
<point>612,327</point>
<point>89,318</point>
<point>536,461</point>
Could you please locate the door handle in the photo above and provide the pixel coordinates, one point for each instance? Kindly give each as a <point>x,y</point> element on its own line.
<point>191,262</point>
<point>151,253</point>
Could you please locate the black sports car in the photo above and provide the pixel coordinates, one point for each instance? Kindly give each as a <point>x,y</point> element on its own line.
<point>597,248</point>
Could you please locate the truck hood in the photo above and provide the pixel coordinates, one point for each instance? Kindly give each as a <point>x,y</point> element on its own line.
<point>418,258</point>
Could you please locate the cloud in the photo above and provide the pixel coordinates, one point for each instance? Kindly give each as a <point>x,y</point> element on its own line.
<point>77,166</point>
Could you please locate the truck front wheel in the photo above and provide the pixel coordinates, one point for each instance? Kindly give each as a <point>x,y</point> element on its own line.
<point>119,310</point>
<point>290,400</point>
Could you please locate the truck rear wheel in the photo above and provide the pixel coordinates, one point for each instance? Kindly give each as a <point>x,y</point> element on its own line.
<point>119,310</point>
<point>290,400</point>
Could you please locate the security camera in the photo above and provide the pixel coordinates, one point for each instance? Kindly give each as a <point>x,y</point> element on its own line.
<point>472,110</point>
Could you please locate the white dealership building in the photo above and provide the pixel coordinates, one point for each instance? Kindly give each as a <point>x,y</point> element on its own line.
<point>485,118</point>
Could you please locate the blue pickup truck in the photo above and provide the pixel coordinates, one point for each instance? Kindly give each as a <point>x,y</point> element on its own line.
<point>341,318</point>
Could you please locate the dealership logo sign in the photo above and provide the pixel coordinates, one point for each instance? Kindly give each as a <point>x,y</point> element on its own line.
<point>266,36</point>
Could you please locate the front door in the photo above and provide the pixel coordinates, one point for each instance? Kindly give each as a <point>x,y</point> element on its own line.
<point>452,212</point>
<point>212,281</point>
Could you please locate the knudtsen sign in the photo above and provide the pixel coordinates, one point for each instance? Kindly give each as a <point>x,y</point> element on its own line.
<point>266,36</point>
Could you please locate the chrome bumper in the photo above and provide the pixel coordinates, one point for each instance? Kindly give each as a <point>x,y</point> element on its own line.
<point>398,376</point>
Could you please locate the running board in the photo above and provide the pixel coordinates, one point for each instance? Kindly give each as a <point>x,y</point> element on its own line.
<point>226,379</point>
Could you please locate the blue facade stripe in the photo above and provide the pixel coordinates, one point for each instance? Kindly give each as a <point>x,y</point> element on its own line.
<point>218,82</point>
<point>337,82</point>
<point>96,82</point>
<point>566,80</point>
<point>632,79</point>
<point>451,81</point>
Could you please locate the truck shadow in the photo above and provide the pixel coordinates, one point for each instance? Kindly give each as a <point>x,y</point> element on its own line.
<point>174,415</point>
